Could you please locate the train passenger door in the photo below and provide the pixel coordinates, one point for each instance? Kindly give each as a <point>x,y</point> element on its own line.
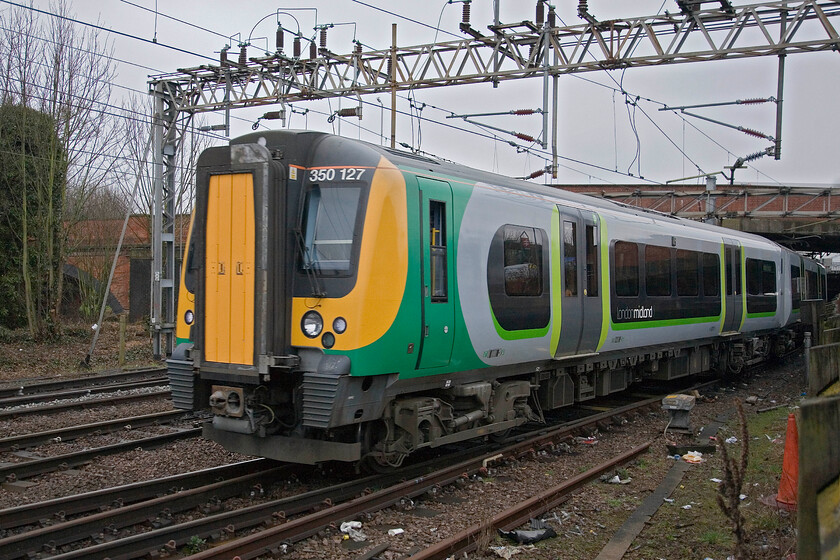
<point>580,297</point>
<point>437,256</point>
<point>732,289</point>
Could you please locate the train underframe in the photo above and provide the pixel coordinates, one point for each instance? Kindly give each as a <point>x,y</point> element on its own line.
<point>310,417</point>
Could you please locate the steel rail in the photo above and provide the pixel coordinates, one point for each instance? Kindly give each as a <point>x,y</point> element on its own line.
<point>15,443</point>
<point>34,398</point>
<point>89,403</point>
<point>17,471</point>
<point>52,384</point>
<point>467,540</point>
<point>119,496</point>
<point>29,543</point>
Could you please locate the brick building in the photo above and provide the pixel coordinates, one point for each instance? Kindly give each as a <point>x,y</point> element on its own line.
<point>90,253</point>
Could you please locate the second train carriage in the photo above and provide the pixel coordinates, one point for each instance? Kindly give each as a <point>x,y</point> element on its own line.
<point>351,302</point>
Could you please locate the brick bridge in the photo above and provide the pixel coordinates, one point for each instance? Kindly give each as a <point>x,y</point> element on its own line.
<point>802,218</point>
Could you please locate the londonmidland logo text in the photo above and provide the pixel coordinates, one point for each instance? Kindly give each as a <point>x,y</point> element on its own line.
<point>637,313</point>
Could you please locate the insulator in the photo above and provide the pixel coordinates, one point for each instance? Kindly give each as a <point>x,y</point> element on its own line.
<point>323,38</point>
<point>525,137</point>
<point>348,112</point>
<point>223,59</point>
<point>296,47</point>
<point>552,17</point>
<point>274,115</point>
<point>536,174</point>
<point>313,50</point>
<point>390,66</point>
<point>752,132</point>
<point>465,13</point>
<point>243,55</point>
<point>523,112</point>
<point>279,39</point>
<point>540,13</point>
<point>358,48</point>
<point>755,156</point>
<point>752,101</point>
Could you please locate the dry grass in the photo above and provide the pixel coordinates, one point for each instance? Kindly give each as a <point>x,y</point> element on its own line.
<point>23,359</point>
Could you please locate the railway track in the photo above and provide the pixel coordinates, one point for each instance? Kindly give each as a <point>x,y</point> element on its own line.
<point>316,509</point>
<point>34,466</point>
<point>86,382</point>
<point>17,443</point>
<point>84,403</point>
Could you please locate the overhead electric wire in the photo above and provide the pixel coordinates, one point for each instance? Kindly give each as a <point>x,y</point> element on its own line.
<point>406,18</point>
<point>107,30</point>
<point>158,12</point>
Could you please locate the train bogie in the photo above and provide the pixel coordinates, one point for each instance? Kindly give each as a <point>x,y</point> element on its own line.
<point>351,302</point>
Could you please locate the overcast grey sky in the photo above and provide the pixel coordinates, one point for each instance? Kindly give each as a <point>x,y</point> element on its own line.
<point>595,122</point>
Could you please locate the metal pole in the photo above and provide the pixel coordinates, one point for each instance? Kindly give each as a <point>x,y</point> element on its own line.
<point>554,104</point>
<point>777,151</point>
<point>157,219</point>
<point>807,348</point>
<point>393,85</point>
<point>164,148</point>
<point>544,142</point>
<point>496,59</point>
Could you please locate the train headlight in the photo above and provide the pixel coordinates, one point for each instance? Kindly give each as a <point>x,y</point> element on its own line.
<point>312,324</point>
<point>339,325</point>
<point>189,317</point>
<point>328,340</point>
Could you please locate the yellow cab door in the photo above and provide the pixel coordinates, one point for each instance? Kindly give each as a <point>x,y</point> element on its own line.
<point>229,274</point>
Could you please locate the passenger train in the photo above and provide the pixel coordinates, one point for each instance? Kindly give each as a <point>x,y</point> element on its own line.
<point>343,301</point>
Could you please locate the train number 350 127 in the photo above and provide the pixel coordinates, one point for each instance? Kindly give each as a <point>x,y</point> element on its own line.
<point>333,174</point>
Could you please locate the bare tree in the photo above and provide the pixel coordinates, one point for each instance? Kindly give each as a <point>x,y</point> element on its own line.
<point>65,72</point>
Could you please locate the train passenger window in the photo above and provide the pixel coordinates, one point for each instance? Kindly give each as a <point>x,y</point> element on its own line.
<point>570,257</point>
<point>688,273</point>
<point>523,261</point>
<point>190,276</point>
<point>811,284</point>
<point>761,277</point>
<point>794,280</point>
<point>592,277</point>
<point>626,268</point>
<point>329,228</point>
<point>657,270</point>
<point>728,260</point>
<point>437,250</point>
<point>711,275</point>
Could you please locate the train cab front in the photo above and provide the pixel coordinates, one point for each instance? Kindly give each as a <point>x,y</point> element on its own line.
<point>279,228</point>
